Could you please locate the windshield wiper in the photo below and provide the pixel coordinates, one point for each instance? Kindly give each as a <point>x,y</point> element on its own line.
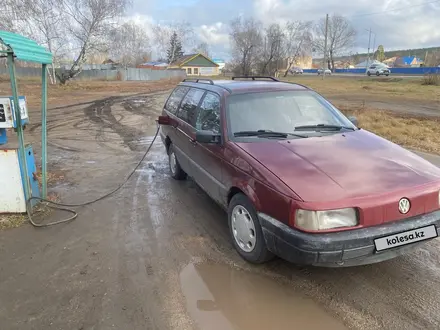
<point>322,127</point>
<point>267,133</point>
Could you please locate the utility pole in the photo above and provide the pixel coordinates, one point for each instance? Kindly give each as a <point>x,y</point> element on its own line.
<point>368,58</point>
<point>325,47</point>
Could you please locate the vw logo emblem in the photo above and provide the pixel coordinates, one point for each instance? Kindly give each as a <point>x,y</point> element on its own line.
<point>404,205</point>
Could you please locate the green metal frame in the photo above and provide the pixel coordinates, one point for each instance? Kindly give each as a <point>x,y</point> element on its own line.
<point>19,47</point>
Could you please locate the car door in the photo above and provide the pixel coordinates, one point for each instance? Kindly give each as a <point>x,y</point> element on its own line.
<point>186,129</point>
<point>207,157</point>
<point>171,107</point>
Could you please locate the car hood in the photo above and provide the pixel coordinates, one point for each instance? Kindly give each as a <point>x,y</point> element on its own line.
<point>339,166</point>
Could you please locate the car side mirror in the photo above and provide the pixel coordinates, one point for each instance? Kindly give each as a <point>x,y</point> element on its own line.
<point>164,120</point>
<point>353,120</point>
<point>207,137</point>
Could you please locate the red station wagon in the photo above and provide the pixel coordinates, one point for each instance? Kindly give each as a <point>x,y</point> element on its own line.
<point>298,179</point>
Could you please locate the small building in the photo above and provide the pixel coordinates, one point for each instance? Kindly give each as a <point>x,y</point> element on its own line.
<point>221,63</point>
<point>196,65</point>
<point>408,61</point>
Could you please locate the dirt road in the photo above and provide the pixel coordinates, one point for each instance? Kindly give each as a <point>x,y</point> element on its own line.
<point>157,255</point>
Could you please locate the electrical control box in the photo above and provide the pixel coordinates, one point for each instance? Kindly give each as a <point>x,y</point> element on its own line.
<point>7,112</point>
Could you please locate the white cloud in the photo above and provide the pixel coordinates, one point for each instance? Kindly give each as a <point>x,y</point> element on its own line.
<point>214,34</point>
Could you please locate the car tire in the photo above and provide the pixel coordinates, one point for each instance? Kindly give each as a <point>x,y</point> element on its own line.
<point>242,216</point>
<point>176,171</point>
<point>387,74</point>
<point>368,73</point>
<point>377,73</point>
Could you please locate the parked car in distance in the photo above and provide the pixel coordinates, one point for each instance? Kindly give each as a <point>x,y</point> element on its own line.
<point>296,71</point>
<point>297,178</point>
<point>326,71</point>
<point>378,70</point>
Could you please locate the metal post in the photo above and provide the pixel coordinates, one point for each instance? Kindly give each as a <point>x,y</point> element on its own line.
<point>44,130</point>
<point>368,59</point>
<point>21,147</point>
<point>325,47</point>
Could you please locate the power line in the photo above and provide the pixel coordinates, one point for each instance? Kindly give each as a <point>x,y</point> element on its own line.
<point>396,9</point>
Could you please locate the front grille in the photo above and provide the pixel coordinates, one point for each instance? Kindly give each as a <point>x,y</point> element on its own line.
<point>2,114</point>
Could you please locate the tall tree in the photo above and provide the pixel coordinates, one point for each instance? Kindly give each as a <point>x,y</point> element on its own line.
<point>161,32</point>
<point>88,23</point>
<point>273,48</point>
<point>245,38</point>
<point>174,49</point>
<point>340,37</point>
<point>130,44</point>
<point>40,20</point>
<point>380,54</point>
<point>298,42</point>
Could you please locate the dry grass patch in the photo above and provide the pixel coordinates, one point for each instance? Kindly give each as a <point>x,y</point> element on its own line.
<point>9,221</point>
<point>410,132</point>
<point>15,220</point>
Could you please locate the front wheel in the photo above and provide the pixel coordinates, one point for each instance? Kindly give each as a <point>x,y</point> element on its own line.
<point>368,73</point>
<point>377,73</point>
<point>246,232</point>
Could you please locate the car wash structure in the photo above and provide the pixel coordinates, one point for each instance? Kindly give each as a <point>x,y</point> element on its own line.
<point>18,174</point>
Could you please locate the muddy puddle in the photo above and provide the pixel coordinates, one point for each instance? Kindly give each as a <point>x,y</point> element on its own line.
<point>219,297</point>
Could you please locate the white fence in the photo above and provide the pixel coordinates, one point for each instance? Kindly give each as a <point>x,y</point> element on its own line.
<point>128,74</point>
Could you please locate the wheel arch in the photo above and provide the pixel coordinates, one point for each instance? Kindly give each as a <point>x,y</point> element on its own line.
<point>245,190</point>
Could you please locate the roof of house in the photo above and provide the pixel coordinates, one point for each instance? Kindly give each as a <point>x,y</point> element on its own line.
<point>187,58</point>
<point>407,59</point>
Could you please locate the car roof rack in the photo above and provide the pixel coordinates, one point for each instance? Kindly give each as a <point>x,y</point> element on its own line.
<point>255,77</point>
<point>198,79</point>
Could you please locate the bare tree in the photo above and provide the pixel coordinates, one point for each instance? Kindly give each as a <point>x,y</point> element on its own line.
<point>202,48</point>
<point>163,32</point>
<point>273,48</point>
<point>41,21</point>
<point>341,36</point>
<point>129,44</point>
<point>88,23</point>
<point>245,38</point>
<point>298,42</point>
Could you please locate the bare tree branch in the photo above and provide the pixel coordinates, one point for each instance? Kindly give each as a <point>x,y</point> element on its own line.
<point>341,36</point>
<point>246,38</point>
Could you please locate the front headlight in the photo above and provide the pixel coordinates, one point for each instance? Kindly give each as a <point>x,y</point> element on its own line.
<point>322,220</point>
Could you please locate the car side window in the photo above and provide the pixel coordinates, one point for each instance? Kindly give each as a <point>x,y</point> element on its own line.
<point>174,100</point>
<point>188,108</point>
<point>208,118</point>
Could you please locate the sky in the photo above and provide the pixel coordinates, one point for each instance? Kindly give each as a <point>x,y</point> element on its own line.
<point>396,24</point>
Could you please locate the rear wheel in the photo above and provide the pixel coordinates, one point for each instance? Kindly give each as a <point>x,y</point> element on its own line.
<point>368,73</point>
<point>246,232</point>
<point>175,169</point>
<point>377,73</point>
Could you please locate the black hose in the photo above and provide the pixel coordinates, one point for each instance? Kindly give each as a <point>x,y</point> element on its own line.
<point>64,207</point>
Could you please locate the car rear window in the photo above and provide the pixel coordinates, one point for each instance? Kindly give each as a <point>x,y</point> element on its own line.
<point>175,98</point>
<point>188,108</point>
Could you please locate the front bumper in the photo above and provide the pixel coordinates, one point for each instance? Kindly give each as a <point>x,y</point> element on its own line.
<point>340,249</point>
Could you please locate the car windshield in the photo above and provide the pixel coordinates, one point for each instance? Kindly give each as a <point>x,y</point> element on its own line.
<point>284,111</point>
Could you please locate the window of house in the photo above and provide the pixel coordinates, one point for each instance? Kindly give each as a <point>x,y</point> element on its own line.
<point>196,70</point>
<point>188,109</point>
<point>175,98</point>
<point>208,118</point>
<point>189,70</point>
